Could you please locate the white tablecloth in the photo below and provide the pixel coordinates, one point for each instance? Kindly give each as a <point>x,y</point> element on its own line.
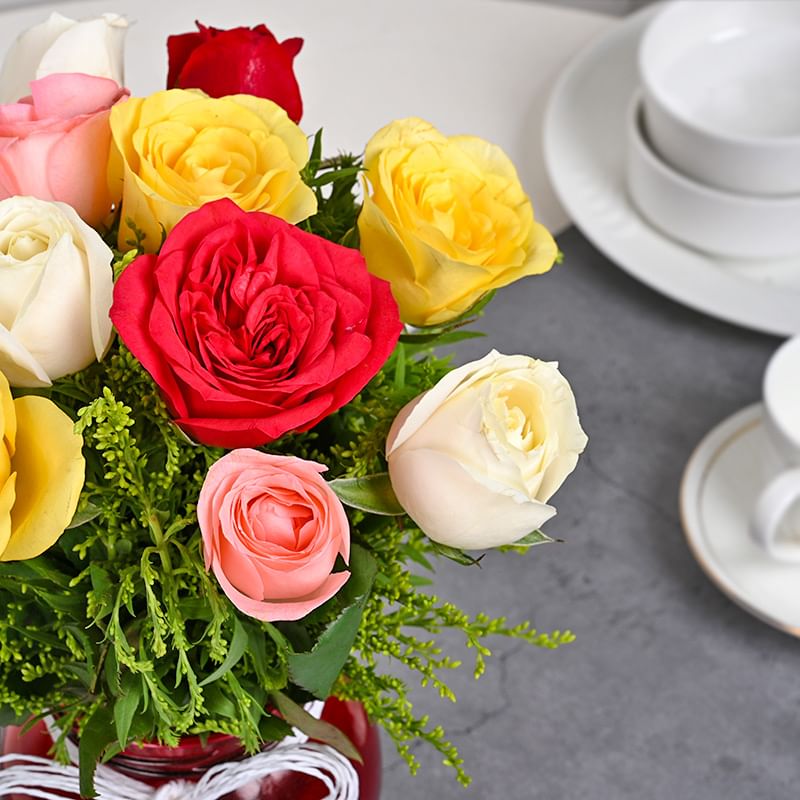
<point>469,66</point>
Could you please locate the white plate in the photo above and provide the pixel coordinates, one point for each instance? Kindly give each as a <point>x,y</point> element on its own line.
<point>720,484</point>
<point>584,144</point>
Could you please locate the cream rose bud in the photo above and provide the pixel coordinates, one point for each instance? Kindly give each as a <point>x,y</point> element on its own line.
<point>60,44</point>
<point>475,459</point>
<point>56,285</point>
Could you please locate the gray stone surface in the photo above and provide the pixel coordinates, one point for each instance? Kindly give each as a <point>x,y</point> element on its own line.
<point>671,692</point>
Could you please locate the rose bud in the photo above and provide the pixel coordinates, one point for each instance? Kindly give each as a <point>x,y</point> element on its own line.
<point>60,44</point>
<point>41,474</point>
<point>445,220</point>
<point>176,150</point>
<point>272,531</point>
<point>236,61</point>
<point>56,285</point>
<point>251,327</point>
<point>55,144</point>
<point>475,459</point>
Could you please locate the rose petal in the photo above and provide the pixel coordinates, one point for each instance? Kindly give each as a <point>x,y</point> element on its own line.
<point>50,469</point>
<point>272,531</point>
<point>72,94</point>
<point>259,67</point>
<point>18,365</point>
<point>23,57</point>
<point>93,47</point>
<point>459,515</point>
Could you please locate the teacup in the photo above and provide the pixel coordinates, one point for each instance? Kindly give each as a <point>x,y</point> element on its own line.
<point>775,523</point>
<point>711,220</point>
<point>720,92</point>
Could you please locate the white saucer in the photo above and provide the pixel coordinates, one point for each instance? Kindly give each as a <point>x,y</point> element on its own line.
<point>720,484</point>
<point>584,145</point>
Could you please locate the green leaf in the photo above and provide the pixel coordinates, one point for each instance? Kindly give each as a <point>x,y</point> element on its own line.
<point>372,493</point>
<point>468,317</point>
<point>454,554</point>
<point>412,553</point>
<point>104,591</point>
<point>532,539</point>
<point>33,570</point>
<point>83,516</point>
<point>48,639</point>
<point>479,307</point>
<point>273,729</point>
<point>44,569</point>
<point>439,339</point>
<point>81,672</point>
<point>96,735</point>
<point>143,722</point>
<point>66,603</point>
<point>297,636</point>
<point>257,649</point>
<point>9,717</point>
<point>316,148</point>
<point>235,652</point>
<point>218,703</point>
<point>363,568</point>
<point>111,671</point>
<point>526,542</point>
<point>30,723</point>
<point>315,728</point>
<point>400,366</point>
<point>331,177</point>
<point>317,670</point>
<point>126,705</point>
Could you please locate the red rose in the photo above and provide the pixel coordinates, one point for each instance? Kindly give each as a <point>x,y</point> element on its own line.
<point>237,61</point>
<point>252,328</point>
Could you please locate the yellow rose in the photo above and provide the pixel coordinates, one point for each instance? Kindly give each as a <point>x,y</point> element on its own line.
<point>41,474</point>
<point>176,150</point>
<point>446,221</point>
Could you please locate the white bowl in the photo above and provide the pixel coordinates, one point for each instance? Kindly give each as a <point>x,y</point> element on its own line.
<point>722,94</point>
<point>708,219</point>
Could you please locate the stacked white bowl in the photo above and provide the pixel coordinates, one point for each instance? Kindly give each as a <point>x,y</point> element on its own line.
<point>714,134</point>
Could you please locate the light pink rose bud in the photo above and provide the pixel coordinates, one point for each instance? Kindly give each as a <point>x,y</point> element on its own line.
<point>272,530</point>
<point>55,144</point>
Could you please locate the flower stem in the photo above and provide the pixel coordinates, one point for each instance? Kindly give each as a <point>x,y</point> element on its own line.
<point>160,541</point>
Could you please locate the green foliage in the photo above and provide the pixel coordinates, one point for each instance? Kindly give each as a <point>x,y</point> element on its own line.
<point>372,493</point>
<point>448,333</point>
<point>315,728</point>
<point>334,181</point>
<point>121,631</point>
<point>316,671</point>
<point>398,605</point>
<point>533,539</point>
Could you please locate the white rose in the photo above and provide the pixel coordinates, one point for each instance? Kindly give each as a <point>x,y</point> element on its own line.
<point>474,460</point>
<point>56,285</point>
<point>60,44</point>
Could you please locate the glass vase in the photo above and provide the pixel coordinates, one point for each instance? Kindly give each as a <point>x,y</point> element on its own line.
<point>157,765</point>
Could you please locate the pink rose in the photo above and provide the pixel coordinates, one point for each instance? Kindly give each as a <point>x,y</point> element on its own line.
<point>272,530</point>
<point>54,144</point>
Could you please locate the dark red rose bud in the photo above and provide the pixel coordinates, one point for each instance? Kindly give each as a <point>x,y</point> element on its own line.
<point>252,328</point>
<point>236,61</point>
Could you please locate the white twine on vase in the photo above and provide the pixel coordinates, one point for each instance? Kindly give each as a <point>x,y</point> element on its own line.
<point>35,776</point>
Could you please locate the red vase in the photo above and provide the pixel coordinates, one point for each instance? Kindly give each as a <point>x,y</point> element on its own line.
<point>157,765</point>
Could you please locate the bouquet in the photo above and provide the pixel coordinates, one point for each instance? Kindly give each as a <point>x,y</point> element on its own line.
<point>230,454</point>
